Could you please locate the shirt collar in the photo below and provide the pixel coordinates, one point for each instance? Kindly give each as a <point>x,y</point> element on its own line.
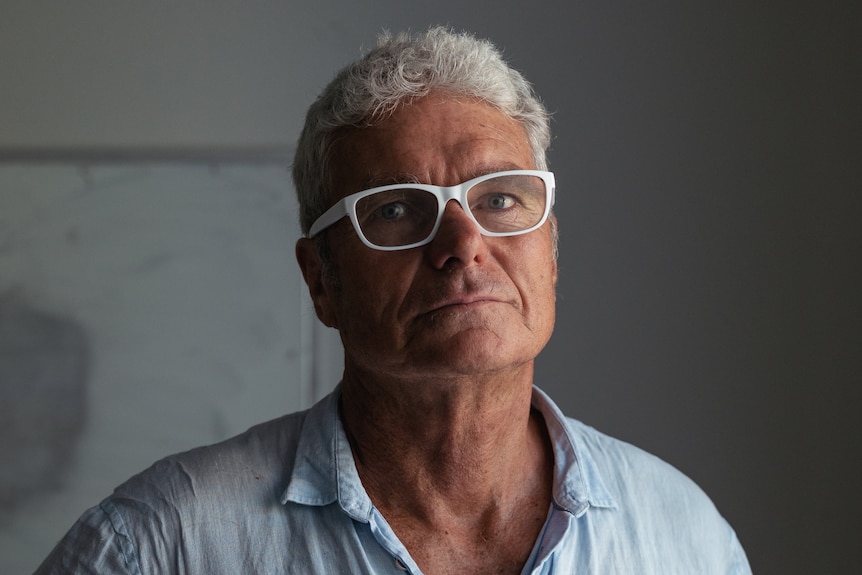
<point>578,482</point>
<point>324,471</point>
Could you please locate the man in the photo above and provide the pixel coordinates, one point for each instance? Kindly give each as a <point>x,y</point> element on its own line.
<point>431,247</point>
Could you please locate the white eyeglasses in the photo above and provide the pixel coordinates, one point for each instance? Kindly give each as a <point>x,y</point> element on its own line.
<point>403,216</point>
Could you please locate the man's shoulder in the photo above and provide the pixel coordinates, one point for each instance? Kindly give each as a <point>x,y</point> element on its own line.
<point>610,450</point>
<point>256,461</point>
<point>199,509</point>
<point>664,514</point>
<point>634,476</point>
<point>621,458</point>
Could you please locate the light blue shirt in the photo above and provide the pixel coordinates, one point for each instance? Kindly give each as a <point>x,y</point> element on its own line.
<point>285,497</point>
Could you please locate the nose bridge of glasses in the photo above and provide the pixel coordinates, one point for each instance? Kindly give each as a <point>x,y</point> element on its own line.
<point>457,193</point>
<point>446,194</point>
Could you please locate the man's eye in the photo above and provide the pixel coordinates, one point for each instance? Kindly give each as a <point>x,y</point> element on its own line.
<point>500,202</point>
<point>391,211</point>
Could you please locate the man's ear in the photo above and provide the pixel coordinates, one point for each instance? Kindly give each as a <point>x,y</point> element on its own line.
<point>318,288</point>
<point>555,249</point>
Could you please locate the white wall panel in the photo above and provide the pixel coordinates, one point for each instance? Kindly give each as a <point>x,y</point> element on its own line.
<point>144,310</point>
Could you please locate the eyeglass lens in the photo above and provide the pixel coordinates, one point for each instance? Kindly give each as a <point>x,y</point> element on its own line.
<point>503,204</point>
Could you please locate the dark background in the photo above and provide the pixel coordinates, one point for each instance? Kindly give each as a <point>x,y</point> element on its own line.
<point>707,160</point>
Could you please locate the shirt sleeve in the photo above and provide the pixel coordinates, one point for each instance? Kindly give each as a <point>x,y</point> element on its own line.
<point>739,562</point>
<point>98,543</point>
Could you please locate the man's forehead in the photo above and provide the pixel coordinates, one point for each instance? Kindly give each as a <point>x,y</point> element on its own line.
<point>373,180</point>
<point>434,140</point>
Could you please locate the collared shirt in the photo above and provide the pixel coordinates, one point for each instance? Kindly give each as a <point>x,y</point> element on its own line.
<point>285,497</point>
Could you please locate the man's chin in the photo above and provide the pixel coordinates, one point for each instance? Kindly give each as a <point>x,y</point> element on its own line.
<point>471,352</point>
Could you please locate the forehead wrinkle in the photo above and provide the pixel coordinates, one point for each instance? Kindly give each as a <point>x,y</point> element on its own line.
<point>375,181</point>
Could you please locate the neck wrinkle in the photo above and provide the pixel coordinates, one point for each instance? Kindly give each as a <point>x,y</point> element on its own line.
<point>456,448</point>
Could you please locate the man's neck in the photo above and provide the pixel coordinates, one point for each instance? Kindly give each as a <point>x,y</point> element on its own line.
<point>446,430</point>
<point>461,456</point>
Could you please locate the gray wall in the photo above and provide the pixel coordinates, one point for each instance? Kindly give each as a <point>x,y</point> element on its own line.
<point>707,162</point>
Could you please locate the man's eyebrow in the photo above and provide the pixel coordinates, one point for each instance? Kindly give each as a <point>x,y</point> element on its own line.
<point>494,168</point>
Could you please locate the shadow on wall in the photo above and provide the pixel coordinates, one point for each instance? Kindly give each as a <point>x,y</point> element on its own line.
<point>44,361</point>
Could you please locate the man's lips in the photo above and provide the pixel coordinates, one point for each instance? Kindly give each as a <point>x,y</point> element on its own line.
<point>466,301</point>
<point>468,290</point>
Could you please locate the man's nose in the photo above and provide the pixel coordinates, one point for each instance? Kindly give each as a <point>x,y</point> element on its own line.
<point>458,239</point>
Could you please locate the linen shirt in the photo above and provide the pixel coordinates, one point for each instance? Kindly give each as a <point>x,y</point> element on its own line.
<point>285,497</point>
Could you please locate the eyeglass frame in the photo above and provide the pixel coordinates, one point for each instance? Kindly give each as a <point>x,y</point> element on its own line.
<point>346,206</point>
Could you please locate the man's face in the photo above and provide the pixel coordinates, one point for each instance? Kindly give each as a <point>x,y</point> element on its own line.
<point>465,304</point>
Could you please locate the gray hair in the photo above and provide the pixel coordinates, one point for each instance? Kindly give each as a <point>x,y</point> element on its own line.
<point>401,68</point>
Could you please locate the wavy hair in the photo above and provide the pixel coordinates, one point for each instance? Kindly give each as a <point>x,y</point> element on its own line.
<point>401,68</point>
